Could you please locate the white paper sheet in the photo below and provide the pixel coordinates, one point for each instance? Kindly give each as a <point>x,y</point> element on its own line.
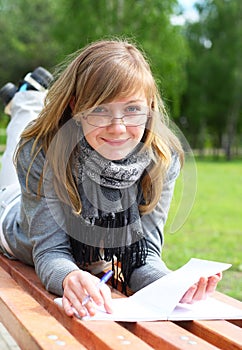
<point>166,292</point>
<point>160,299</point>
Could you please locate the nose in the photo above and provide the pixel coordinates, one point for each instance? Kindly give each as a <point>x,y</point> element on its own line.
<point>117,126</point>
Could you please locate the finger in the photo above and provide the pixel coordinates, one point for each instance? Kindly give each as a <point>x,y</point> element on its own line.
<point>212,283</point>
<point>200,293</point>
<point>90,286</point>
<point>83,310</point>
<point>103,299</point>
<point>107,298</point>
<point>89,308</point>
<point>220,275</point>
<point>105,293</point>
<point>69,310</point>
<point>72,303</point>
<point>188,296</point>
<point>77,287</point>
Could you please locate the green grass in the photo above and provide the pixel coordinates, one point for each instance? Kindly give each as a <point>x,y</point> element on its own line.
<point>213,229</point>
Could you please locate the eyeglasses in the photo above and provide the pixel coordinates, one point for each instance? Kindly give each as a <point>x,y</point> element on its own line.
<point>103,115</point>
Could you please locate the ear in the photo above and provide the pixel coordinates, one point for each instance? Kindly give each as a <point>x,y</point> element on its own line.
<point>72,103</point>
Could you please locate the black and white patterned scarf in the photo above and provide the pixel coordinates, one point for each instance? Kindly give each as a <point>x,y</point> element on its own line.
<point>109,226</point>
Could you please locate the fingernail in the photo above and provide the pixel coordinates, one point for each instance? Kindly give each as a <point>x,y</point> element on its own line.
<point>92,311</point>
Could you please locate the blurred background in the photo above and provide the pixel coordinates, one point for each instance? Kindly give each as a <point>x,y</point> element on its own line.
<point>195,50</point>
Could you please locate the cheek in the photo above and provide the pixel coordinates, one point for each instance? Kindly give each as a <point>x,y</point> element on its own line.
<point>91,137</point>
<point>87,129</point>
<point>137,132</point>
<point>90,134</point>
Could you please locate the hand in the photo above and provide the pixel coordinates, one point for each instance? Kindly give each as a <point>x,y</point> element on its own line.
<point>77,285</point>
<point>200,290</point>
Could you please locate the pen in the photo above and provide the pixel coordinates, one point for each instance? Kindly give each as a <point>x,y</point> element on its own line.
<point>103,280</point>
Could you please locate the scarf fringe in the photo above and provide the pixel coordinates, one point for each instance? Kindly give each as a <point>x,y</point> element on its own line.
<point>124,259</point>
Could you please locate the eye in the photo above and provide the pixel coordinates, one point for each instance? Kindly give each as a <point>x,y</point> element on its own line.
<point>133,109</point>
<point>99,110</point>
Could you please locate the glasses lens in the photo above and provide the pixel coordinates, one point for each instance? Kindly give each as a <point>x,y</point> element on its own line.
<point>134,120</point>
<point>132,115</point>
<point>97,120</point>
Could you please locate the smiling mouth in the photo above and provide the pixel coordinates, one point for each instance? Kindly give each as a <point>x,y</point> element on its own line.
<point>115,142</point>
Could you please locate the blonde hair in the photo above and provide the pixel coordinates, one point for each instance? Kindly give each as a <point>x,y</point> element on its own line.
<point>101,72</point>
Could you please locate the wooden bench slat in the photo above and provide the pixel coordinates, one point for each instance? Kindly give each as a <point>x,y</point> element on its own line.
<point>167,335</point>
<point>221,333</point>
<point>31,325</point>
<point>224,334</point>
<point>142,335</point>
<point>94,335</point>
<point>168,338</point>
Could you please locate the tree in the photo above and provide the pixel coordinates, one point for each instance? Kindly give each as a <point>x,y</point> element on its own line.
<point>25,37</point>
<point>215,71</point>
<point>43,32</point>
<point>145,21</point>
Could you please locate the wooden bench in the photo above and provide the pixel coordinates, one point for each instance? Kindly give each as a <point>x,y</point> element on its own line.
<point>28,312</point>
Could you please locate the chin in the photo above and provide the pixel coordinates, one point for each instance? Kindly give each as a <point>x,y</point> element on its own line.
<point>115,154</point>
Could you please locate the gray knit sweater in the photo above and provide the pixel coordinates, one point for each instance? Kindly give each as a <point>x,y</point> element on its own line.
<point>37,237</point>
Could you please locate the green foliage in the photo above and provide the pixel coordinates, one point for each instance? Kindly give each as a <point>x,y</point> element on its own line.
<point>213,99</point>
<point>4,119</point>
<point>147,22</point>
<point>25,37</point>
<point>199,73</point>
<point>43,32</point>
<point>2,139</point>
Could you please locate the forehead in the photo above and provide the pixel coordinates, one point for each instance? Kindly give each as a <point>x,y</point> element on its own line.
<point>137,98</point>
<point>121,104</point>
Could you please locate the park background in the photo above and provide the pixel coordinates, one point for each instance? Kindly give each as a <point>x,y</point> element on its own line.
<point>198,67</point>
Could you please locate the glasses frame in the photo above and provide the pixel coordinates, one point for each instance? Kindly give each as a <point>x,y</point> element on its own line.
<point>147,115</point>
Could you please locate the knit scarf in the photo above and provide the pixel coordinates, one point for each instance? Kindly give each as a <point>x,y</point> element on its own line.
<point>109,226</point>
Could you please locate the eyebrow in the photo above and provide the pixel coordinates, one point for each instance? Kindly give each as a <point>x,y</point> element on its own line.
<point>133,101</point>
<point>124,103</point>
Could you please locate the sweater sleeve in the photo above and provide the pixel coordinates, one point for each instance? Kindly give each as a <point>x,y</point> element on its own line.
<point>153,226</point>
<point>43,221</point>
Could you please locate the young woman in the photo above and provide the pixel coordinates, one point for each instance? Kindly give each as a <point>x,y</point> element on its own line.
<point>96,170</point>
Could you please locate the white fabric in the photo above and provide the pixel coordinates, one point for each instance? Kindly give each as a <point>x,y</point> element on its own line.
<point>25,107</point>
<point>9,196</point>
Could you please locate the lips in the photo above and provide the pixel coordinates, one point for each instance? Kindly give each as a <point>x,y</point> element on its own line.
<point>118,142</point>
